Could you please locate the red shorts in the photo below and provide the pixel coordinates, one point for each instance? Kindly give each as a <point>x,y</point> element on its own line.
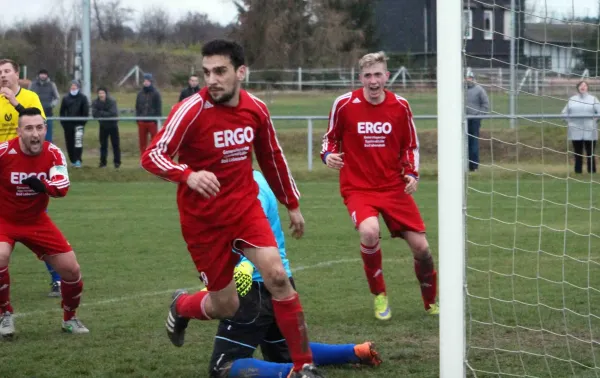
<point>398,209</point>
<point>41,236</point>
<point>212,248</point>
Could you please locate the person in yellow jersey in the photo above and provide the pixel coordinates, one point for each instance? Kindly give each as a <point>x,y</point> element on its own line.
<point>13,100</point>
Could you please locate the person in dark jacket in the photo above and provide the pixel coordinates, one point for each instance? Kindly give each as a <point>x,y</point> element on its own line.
<point>74,104</point>
<point>106,107</point>
<point>192,88</point>
<point>147,104</point>
<point>48,94</point>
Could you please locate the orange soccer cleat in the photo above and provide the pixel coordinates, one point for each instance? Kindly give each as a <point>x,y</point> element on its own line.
<point>367,354</point>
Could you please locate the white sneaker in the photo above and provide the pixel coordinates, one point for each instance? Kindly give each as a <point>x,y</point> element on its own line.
<point>74,325</point>
<point>7,325</point>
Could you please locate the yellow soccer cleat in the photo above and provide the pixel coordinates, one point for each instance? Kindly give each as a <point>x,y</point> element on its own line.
<point>434,309</point>
<point>382,308</point>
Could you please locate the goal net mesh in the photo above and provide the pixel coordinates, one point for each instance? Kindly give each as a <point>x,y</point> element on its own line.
<point>532,223</point>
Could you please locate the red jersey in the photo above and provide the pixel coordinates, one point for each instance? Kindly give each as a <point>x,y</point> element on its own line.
<point>220,139</point>
<point>379,142</point>
<point>18,202</point>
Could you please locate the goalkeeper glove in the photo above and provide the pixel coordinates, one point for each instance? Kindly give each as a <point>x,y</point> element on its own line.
<point>35,183</point>
<point>242,274</point>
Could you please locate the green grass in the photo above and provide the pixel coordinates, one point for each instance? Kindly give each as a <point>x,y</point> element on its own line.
<point>530,257</point>
<point>129,246</point>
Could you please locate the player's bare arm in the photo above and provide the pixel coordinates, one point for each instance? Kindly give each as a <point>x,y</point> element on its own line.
<point>335,161</point>
<point>296,223</point>
<point>205,183</point>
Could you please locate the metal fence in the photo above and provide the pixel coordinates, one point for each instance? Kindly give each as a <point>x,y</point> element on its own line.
<point>310,123</point>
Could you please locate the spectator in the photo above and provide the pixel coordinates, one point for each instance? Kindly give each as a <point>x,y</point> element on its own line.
<point>48,94</point>
<point>192,88</point>
<point>583,132</point>
<point>477,104</point>
<point>147,104</point>
<point>106,107</point>
<point>74,104</point>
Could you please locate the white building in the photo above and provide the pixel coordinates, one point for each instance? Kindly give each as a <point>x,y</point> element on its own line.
<point>554,47</point>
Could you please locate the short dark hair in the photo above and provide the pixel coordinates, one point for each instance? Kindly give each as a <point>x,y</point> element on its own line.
<point>43,71</point>
<point>231,49</point>
<point>30,112</point>
<point>11,62</point>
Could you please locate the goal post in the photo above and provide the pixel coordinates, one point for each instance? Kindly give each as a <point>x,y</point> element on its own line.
<point>451,188</point>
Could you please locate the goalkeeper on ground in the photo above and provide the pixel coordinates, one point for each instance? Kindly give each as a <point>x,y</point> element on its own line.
<point>254,323</point>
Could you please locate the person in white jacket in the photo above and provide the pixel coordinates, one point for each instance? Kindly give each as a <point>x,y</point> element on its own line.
<point>583,132</point>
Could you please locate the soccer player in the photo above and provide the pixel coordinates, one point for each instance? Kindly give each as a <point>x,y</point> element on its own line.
<point>254,323</point>
<point>31,171</point>
<point>372,140</point>
<point>14,99</point>
<point>214,132</point>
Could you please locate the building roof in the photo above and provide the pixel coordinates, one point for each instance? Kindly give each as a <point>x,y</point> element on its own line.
<point>560,33</point>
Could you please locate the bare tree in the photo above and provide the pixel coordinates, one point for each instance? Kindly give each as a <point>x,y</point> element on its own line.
<point>195,28</point>
<point>67,15</point>
<point>154,26</point>
<point>290,33</point>
<point>111,18</point>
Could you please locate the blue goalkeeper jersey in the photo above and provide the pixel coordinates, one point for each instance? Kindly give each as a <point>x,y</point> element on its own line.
<point>269,204</point>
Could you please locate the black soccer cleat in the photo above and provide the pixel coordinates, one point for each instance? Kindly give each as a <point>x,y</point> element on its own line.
<point>54,290</point>
<point>308,371</point>
<point>176,324</point>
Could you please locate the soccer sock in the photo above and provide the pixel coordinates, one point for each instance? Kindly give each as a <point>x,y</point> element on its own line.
<point>290,319</point>
<point>427,277</point>
<point>53,274</point>
<point>333,354</point>
<point>192,305</point>
<point>5,290</point>
<point>246,367</point>
<point>71,296</point>
<point>372,263</point>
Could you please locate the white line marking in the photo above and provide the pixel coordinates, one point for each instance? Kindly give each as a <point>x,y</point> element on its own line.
<point>164,292</point>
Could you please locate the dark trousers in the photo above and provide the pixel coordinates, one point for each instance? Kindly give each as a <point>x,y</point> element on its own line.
<point>253,325</point>
<point>112,132</point>
<point>473,126</point>
<point>590,150</point>
<point>74,142</point>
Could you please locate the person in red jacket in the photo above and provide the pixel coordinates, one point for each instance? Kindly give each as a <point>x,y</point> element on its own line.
<point>372,140</point>
<point>213,134</point>
<point>31,171</point>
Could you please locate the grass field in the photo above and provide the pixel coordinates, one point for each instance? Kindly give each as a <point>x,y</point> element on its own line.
<point>533,266</point>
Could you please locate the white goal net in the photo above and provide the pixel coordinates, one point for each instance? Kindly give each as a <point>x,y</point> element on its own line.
<point>532,297</point>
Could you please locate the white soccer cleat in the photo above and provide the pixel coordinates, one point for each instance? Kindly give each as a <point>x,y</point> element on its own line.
<point>7,325</point>
<point>74,326</point>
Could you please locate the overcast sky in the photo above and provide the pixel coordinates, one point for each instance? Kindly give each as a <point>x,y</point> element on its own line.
<point>220,11</point>
<point>224,11</point>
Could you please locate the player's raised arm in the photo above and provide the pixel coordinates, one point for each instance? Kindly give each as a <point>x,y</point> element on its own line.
<point>57,184</point>
<point>333,136</point>
<point>409,147</point>
<point>158,157</point>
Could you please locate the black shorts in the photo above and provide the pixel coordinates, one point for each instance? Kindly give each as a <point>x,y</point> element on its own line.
<point>252,326</point>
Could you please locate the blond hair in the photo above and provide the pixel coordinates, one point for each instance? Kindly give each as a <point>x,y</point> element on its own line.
<point>373,58</point>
